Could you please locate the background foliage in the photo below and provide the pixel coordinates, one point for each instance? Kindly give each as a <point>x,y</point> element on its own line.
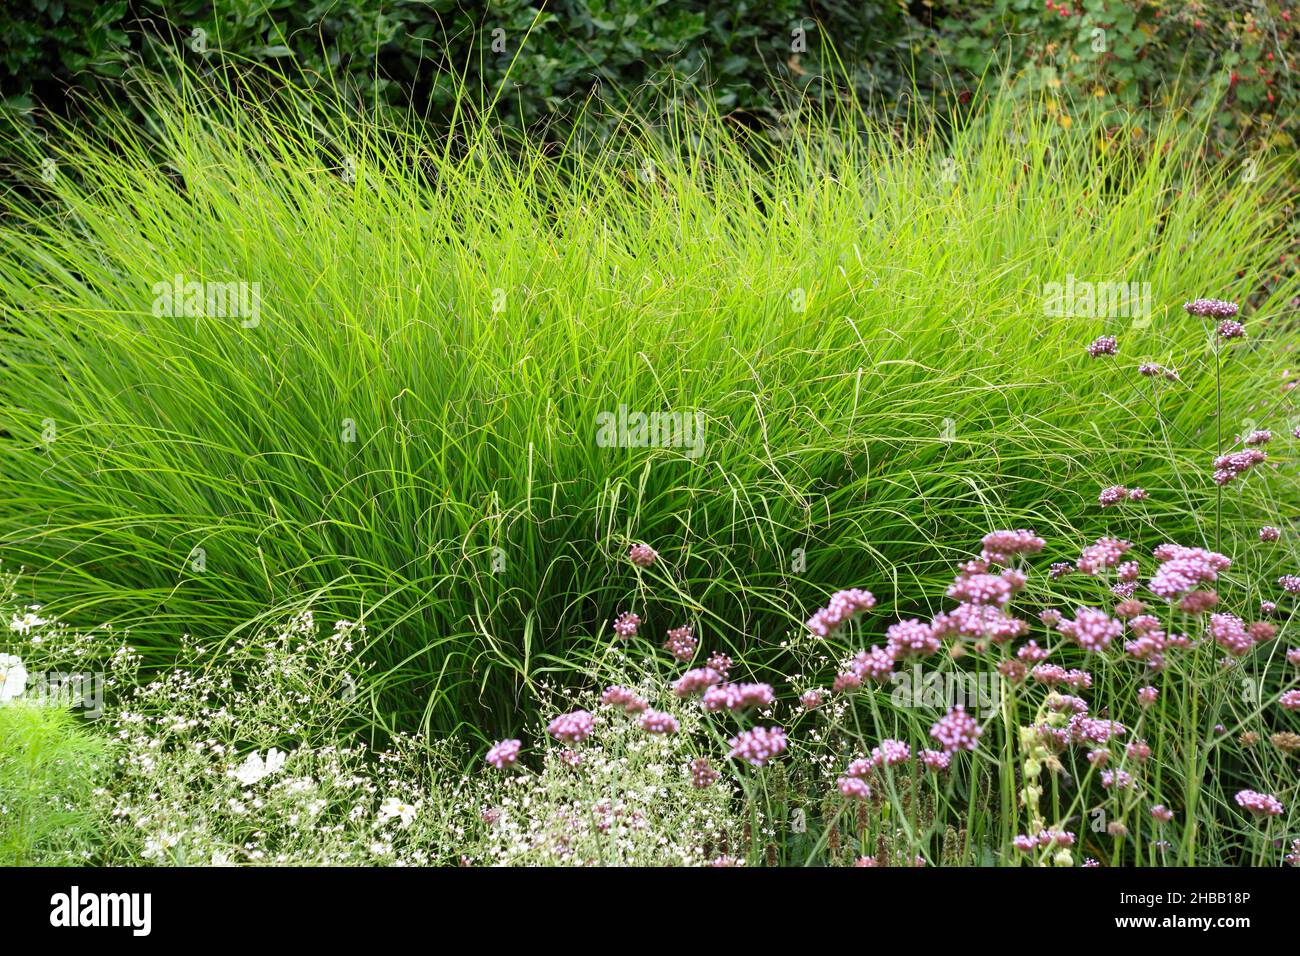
<point>1233,56</point>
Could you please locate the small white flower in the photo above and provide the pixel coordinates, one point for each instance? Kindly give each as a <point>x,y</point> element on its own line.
<point>13,677</point>
<point>254,768</point>
<point>25,623</point>
<point>392,807</point>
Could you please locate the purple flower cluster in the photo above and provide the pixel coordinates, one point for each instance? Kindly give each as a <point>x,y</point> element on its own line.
<point>617,696</point>
<point>855,788</point>
<point>890,753</point>
<point>1290,700</point>
<point>1260,804</point>
<point>681,643</point>
<point>1091,629</point>
<point>1104,553</point>
<point>956,730</point>
<point>504,753</point>
<point>979,622</point>
<point>1105,345</point>
<point>1230,633</point>
<point>756,747</point>
<point>875,664</point>
<point>1230,329</point>
<point>1227,468</point>
<point>1119,493</point>
<point>654,722</point>
<point>1151,370</point>
<point>1269,533</point>
<point>573,727</point>
<point>1211,308</point>
<point>911,638</point>
<point>999,547</point>
<point>736,697</point>
<point>1184,569</point>
<point>937,760</point>
<point>843,607</point>
<point>625,625</point>
<point>642,555</point>
<point>702,773</point>
<point>696,681</point>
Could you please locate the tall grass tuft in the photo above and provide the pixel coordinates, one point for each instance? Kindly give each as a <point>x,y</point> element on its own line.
<point>400,421</point>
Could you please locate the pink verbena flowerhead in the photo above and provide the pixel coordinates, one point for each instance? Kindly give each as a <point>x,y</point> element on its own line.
<point>875,663</point>
<point>1230,633</point>
<point>1162,813</point>
<point>911,638</point>
<point>736,697</point>
<point>1293,656</point>
<point>890,753</point>
<point>1116,494</point>
<point>642,555</point>
<point>1290,700</point>
<point>756,747</point>
<point>1261,436</point>
<point>1230,329</point>
<point>1013,671</point>
<point>655,722</point>
<point>1211,308</point>
<point>1260,804</point>
<point>1104,553</point>
<point>810,699</point>
<point>1105,345</point>
<point>956,730</point>
<point>1147,695</point>
<point>1091,629</point>
<point>1116,779</point>
<point>936,760</point>
<point>618,696</point>
<point>504,753</point>
<point>1185,569</point>
<point>855,788</point>
<point>979,622</point>
<point>1060,569</point>
<point>1290,583</point>
<point>1269,533</point>
<point>681,643</point>
<point>1031,653</point>
<point>843,607</point>
<point>625,625</point>
<point>721,663</point>
<point>1000,547</point>
<point>573,727</point>
<point>995,589</point>
<point>1094,730</point>
<point>696,681</point>
<point>1227,468</point>
<point>702,774</point>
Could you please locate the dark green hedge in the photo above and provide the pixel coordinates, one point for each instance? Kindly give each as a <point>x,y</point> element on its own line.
<point>1117,54</point>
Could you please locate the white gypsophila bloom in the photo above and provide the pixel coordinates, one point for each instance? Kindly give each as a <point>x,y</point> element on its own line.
<point>13,677</point>
<point>394,808</point>
<point>25,623</point>
<point>254,768</point>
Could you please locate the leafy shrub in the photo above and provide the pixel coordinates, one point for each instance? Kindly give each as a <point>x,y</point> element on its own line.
<point>1234,58</point>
